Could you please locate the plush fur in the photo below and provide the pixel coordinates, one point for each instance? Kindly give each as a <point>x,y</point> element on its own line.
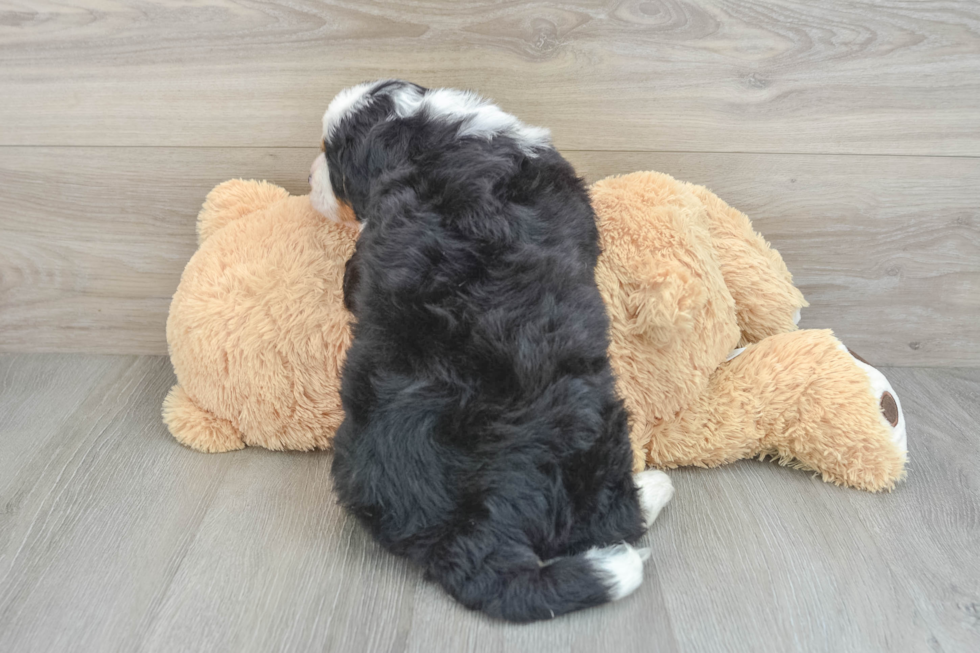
<point>686,280</point>
<point>257,330</point>
<point>804,414</point>
<point>482,431</point>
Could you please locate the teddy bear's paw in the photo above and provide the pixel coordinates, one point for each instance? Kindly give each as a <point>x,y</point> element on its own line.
<point>888,402</point>
<point>655,490</point>
<point>195,427</point>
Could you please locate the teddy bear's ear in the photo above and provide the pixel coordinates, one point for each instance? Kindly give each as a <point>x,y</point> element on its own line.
<point>766,300</point>
<point>658,300</point>
<point>232,200</point>
<point>657,271</point>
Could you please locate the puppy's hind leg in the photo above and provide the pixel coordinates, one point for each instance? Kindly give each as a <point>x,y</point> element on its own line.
<point>655,491</point>
<point>623,505</point>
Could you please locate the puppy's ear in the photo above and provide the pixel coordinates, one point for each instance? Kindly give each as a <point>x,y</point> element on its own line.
<point>352,277</point>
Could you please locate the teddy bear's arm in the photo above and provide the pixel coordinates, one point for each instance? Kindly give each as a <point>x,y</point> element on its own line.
<point>234,199</point>
<point>766,301</point>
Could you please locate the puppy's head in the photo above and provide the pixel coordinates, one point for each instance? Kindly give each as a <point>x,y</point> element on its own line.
<point>349,118</point>
<point>342,173</point>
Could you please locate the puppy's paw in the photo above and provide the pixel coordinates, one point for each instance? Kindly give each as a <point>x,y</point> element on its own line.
<point>654,490</point>
<point>619,567</point>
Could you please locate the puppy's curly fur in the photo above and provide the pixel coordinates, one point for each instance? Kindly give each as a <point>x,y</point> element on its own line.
<point>483,437</point>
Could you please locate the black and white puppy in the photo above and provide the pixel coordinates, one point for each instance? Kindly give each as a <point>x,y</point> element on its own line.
<point>483,437</point>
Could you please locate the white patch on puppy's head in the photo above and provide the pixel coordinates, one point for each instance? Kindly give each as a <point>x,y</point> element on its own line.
<point>345,103</point>
<point>407,99</point>
<point>481,118</point>
<point>477,116</point>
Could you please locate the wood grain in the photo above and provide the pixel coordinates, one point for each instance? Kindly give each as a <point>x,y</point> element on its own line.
<point>838,76</point>
<point>90,260</point>
<point>943,407</point>
<point>99,513</point>
<point>25,421</point>
<point>115,538</point>
<point>886,249</point>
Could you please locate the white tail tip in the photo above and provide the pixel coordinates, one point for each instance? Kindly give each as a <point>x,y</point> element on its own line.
<point>620,567</point>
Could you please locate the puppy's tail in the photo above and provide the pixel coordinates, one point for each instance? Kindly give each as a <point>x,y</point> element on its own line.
<point>512,583</point>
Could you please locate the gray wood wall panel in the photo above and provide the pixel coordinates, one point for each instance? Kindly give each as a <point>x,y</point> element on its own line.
<point>836,76</point>
<point>886,249</point>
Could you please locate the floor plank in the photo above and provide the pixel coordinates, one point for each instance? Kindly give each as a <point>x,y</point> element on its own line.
<point>99,512</point>
<point>933,522</point>
<point>92,266</point>
<point>114,537</point>
<point>283,542</point>
<point>771,552</point>
<point>29,417</point>
<point>839,76</point>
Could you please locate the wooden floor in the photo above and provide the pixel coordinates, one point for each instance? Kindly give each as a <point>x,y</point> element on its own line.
<point>113,537</point>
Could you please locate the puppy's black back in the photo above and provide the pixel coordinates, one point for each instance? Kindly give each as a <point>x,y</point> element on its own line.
<point>482,431</point>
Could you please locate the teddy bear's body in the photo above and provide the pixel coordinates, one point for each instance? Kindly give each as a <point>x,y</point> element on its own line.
<point>705,345</point>
<point>702,336</point>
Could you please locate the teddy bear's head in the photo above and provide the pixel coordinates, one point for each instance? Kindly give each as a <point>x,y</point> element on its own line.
<point>257,328</point>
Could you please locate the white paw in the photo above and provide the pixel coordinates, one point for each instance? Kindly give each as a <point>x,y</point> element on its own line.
<point>655,490</point>
<point>891,408</point>
<point>619,567</point>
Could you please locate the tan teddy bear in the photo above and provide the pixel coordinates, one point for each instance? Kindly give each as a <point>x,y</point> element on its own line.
<point>703,336</point>
<point>704,342</point>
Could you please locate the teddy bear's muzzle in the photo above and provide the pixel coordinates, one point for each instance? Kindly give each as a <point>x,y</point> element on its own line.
<point>888,404</point>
